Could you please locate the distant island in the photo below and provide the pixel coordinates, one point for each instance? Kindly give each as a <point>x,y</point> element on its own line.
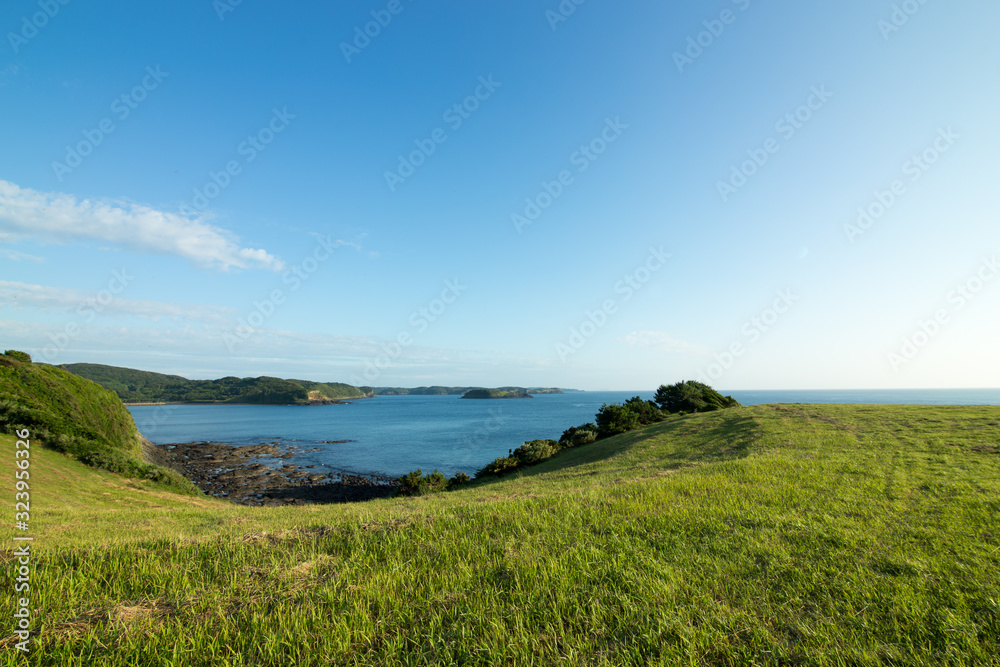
<point>135,386</point>
<point>454,391</point>
<point>496,393</point>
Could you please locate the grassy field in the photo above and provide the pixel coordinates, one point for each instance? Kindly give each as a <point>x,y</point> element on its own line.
<point>766,535</point>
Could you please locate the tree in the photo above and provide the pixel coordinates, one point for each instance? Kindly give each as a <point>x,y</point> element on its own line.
<point>692,396</point>
<point>614,419</point>
<point>646,411</point>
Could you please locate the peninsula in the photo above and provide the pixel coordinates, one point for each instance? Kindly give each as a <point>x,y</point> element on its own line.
<point>136,387</point>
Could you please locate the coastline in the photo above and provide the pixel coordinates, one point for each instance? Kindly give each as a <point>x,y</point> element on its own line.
<point>236,473</point>
<point>310,402</point>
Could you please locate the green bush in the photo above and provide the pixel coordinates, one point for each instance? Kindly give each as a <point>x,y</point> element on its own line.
<point>614,419</point>
<point>575,436</point>
<point>416,483</point>
<point>535,451</point>
<point>23,357</point>
<point>459,479</point>
<point>498,467</point>
<point>692,396</point>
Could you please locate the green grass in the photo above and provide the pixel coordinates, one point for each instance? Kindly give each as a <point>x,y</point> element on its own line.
<point>766,535</point>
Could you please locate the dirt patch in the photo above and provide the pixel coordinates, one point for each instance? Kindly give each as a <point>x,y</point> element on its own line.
<point>237,474</point>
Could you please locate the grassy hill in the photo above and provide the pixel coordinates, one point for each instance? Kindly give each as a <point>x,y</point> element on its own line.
<point>77,417</point>
<point>765,535</point>
<point>134,386</point>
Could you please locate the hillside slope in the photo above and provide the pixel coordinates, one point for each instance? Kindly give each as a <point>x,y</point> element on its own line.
<point>63,407</point>
<point>135,386</point>
<point>767,535</point>
<point>75,416</point>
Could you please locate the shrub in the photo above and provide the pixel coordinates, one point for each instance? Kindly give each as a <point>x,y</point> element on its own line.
<point>575,436</point>
<point>23,357</point>
<point>459,479</point>
<point>415,483</point>
<point>498,467</point>
<point>614,419</point>
<point>535,451</point>
<point>691,396</point>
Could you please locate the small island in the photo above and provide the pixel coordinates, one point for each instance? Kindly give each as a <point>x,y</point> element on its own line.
<point>496,393</point>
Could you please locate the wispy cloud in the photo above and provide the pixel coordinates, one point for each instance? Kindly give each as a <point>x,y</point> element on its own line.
<point>659,340</point>
<point>23,295</point>
<point>16,256</point>
<point>61,217</point>
<point>199,351</point>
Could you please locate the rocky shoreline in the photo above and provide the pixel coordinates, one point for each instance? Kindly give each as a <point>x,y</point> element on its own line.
<point>237,474</point>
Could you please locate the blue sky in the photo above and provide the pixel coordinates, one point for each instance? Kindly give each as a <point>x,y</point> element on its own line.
<point>600,196</point>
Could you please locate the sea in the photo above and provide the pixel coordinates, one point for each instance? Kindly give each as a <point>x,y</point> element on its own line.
<point>392,435</point>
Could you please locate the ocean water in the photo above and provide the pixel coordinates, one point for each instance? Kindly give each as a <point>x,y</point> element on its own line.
<point>391,435</point>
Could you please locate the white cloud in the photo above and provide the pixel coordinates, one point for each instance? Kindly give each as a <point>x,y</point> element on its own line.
<point>81,302</point>
<point>659,340</point>
<point>59,217</point>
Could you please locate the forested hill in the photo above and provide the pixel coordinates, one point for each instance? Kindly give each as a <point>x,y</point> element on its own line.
<point>134,386</point>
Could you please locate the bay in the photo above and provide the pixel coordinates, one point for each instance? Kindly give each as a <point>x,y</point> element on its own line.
<point>391,435</point>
